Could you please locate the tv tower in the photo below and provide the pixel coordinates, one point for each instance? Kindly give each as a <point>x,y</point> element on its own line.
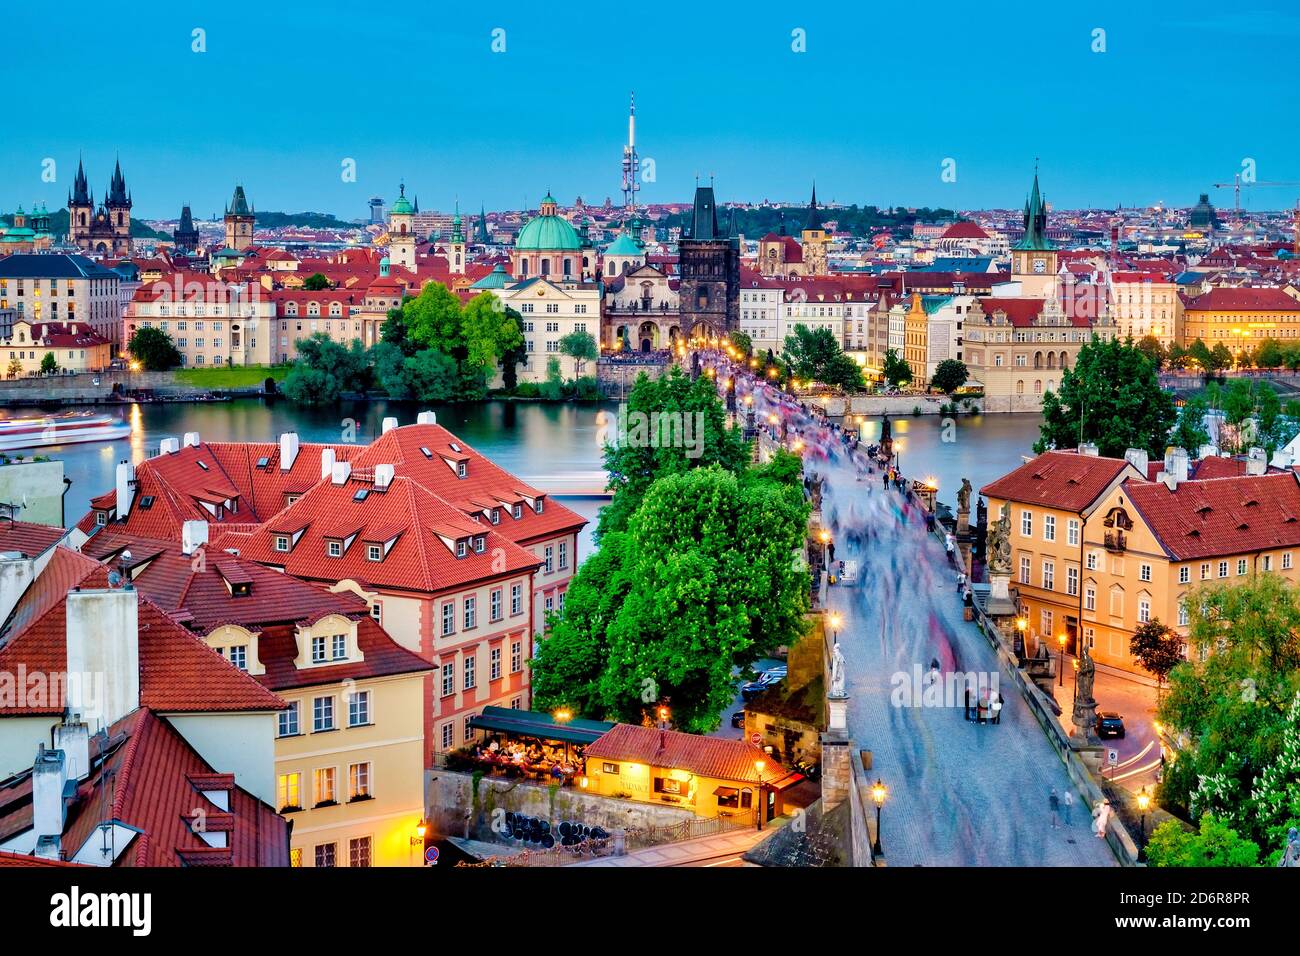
<point>631,164</point>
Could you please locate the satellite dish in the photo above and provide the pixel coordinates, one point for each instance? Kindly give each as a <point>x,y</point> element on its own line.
<point>126,555</point>
<point>114,579</point>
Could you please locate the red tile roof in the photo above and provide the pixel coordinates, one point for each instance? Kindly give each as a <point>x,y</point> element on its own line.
<point>28,538</point>
<point>1221,516</point>
<point>964,230</point>
<point>1221,299</point>
<point>1058,479</point>
<point>715,757</point>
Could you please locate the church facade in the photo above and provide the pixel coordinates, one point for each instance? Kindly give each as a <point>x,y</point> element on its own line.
<point>104,230</point>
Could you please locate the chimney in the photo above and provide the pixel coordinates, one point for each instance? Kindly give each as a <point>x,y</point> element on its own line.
<point>103,640</point>
<point>1175,468</point>
<point>125,488</point>
<point>169,446</point>
<point>426,418</point>
<point>288,450</point>
<point>1137,457</point>
<point>389,423</point>
<point>1256,462</point>
<point>341,472</point>
<point>17,572</point>
<point>73,738</point>
<point>191,439</point>
<point>1088,448</point>
<point>1206,451</point>
<point>194,534</point>
<point>326,462</point>
<point>383,476</point>
<point>48,808</point>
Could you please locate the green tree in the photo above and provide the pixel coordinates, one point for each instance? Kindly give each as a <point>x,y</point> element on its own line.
<point>153,349</point>
<point>315,282</point>
<point>488,332</point>
<point>553,387</point>
<point>1220,357</point>
<point>1111,397</point>
<point>658,413</point>
<point>15,367</point>
<point>1215,844</point>
<point>1157,648</point>
<point>1276,792</point>
<point>430,376</point>
<point>581,347</point>
<point>1150,346</point>
<point>1271,430</point>
<point>1190,432</point>
<point>949,375</point>
<point>325,369</point>
<point>816,355</point>
<point>1270,354</point>
<point>1231,699</point>
<point>1199,353</point>
<point>49,364</point>
<point>388,364</point>
<point>512,358</point>
<point>1238,406</point>
<point>896,372</point>
<point>1176,357</point>
<point>432,321</point>
<point>742,343</point>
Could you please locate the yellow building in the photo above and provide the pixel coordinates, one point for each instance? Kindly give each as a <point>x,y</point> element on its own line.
<point>1241,318</point>
<point>710,776</point>
<point>1146,303</point>
<point>916,338</point>
<point>1098,549</point>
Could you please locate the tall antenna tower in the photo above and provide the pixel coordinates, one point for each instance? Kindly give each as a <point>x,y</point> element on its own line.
<point>631,164</point>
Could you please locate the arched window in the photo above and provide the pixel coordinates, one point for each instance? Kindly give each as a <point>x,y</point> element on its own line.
<point>1020,386</point>
<point>523,268</point>
<point>546,267</point>
<point>1038,386</point>
<point>568,267</point>
<point>336,309</point>
<point>610,270</point>
<point>313,308</point>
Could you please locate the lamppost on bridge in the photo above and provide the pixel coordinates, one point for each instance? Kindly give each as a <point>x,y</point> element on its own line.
<point>878,794</point>
<point>836,621</point>
<point>758,797</point>
<point>1144,802</point>
<point>1060,641</point>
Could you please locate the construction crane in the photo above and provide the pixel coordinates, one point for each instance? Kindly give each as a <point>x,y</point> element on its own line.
<point>1236,185</point>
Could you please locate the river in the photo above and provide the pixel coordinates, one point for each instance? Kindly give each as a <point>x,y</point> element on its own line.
<point>527,438</point>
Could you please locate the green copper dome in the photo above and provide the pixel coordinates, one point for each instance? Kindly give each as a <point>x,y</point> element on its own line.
<point>625,245</point>
<point>547,233</point>
<point>402,206</point>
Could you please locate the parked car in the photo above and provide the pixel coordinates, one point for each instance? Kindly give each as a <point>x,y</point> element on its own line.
<point>1110,724</point>
<point>751,689</point>
<point>738,719</point>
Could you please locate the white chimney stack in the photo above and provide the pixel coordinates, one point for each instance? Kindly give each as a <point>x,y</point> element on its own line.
<point>342,471</point>
<point>383,476</point>
<point>169,446</point>
<point>17,571</point>
<point>1207,451</point>
<point>191,439</point>
<point>389,424</point>
<point>426,418</point>
<point>194,534</point>
<point>1088,448</point>
<point>326,462</point>
<point>103,639</point>
<point>1256,462</point>
<point>73,738</point>
<point>1137,457</point>
<point>288,450</point>
<point>48,777</point>
<point>125,488</point>
<point>1175,471</point>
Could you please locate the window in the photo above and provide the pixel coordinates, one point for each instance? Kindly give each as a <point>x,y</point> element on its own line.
<point>470,662</point>
<point>548,559</point>
<point>359,708</point>
<point>1144,610</point>
<point>1268,562</point>
<point>1090,598</point>
<point>517,512</point>
<point>1027,524</point>
<point>1241,566</point>
<point>448,735</point>
<point>516,599</point>
<point>494,663</point>
<point>1049,527</point>
<point>1184,574</point>
<point>318,650</point>
<point>1223,569</point>
<point>238,655</point>
<point>448,618</point>
<point>494,604</point>
<point>359,781</point>
<point>460,549</point>
<point>1071,580</point>
<point>1024,570</point>
<point>289,720</point>
<point>281,542</point>
<point>322,710</point>
<point>1144,572</point>
<point>325,786</point>
<point>564,555</point>
<point>448,679</point>
<point>471,612</point>
<point>1183,619</point>
<point>1205,572</point>
<point>325,854</point>
<point>374,552</point>
<point>1046,621</point>
<point>516,656</point>
<point>339,644</point>
<point>1072,532</point>
<point>289,787</point>
<point>1092,561</point>
<point>1286,560</point>
<point>1049,575</point>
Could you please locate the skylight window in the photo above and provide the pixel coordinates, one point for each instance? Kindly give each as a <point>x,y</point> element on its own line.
<point>425,452</point>
<point>263,462</point>
<point>361,494</point>
<point>203,465</point>
<point>146,502</point>
<point>455,447</point>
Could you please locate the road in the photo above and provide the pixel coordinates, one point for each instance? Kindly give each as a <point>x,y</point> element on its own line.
<point>960,793</point>
<point>1139,751</point>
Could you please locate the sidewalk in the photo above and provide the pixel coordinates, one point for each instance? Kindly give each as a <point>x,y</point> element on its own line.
<point>723,846</point>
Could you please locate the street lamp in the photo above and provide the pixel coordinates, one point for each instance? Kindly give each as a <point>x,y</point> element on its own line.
<point>1021,624</point>
<point>878,794</point>
<point>663,714</point>
<point>563,715</point>
<point>758,804</point>
<point>836,621</point>
<point>1060,640</point>
<point>1144,802</point>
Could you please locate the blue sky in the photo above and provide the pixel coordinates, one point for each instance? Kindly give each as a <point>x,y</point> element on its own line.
<point>881,97</point>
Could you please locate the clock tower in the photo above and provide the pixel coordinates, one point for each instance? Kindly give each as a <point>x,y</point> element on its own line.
<point>1033,258</point>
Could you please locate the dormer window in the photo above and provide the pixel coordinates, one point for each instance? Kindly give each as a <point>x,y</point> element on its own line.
<point>496,516</point>
<point>335,549</point>
<point>375,552</point>
<point>460,548</point>
<point>101,518</point>
<point>281,542</point>
<point>517,512</point>
<point>318,650</point>
<point>538,506</point>
<point>339,646</point>
<point>462,469</point>
<point>479,544</point>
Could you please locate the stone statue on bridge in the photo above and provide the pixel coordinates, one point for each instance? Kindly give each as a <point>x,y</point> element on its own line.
<point>837,671</point>
<point>1291,853</point>
<point>998,547</point>
<point>963,496</point>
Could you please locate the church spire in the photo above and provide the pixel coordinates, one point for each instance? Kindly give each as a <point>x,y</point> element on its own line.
<point>814,222</point>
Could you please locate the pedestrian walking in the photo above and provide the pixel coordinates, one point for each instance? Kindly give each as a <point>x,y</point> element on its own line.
<point>997,707</point>
<point>1054,801</point>
<point>1069,803</point>
<point>968,703</point>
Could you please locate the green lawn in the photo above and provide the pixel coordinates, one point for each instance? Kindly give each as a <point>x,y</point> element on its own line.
<point>230,376</point>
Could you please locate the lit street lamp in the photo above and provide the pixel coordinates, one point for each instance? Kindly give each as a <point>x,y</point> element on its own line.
<point>758,804</point>
<point>836,621</point>
<point>1060,640</point>
<point>1144,802</point>
<point>878,794</point>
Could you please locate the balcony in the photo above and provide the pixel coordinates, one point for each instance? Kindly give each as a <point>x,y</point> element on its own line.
<point>1116,541</point>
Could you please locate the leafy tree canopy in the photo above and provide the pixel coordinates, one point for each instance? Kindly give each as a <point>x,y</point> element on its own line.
<point>816,355</point>
<point>154,349</point>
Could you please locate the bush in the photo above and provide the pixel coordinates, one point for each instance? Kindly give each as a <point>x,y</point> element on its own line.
<point>586,389</point>
<point>526,390</point>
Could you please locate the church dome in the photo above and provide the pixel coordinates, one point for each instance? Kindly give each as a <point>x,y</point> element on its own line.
<point>547,232</point>
<point>402,206</point>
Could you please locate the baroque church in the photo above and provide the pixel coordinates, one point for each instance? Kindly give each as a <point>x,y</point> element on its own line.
<point>104,230</point>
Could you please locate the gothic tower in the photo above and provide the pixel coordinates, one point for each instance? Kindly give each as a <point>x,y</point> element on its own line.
<point>814,240</point>
<point>118,207</point>
<point>81,209</point>
<point>456,250</point>
<point>709,268</point>
<point>185,235</point>
<point>239,222</point>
